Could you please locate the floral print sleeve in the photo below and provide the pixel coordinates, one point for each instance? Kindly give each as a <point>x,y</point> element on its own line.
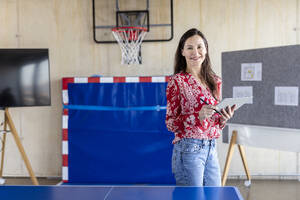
<point>176,118</point>
<point>173,117</point>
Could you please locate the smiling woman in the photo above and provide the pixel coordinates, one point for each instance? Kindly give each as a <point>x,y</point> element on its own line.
<point>194,51</point>
<point>195,123</point>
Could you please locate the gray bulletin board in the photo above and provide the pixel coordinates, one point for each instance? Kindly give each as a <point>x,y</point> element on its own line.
<point>280,68</point>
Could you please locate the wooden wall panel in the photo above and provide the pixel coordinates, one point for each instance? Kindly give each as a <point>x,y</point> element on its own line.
<point>65,27</point>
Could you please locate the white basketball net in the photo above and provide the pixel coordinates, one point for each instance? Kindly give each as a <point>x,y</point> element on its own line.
<point>130,40</point>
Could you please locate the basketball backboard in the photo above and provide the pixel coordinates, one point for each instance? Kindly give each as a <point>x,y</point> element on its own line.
<point>157,17</point>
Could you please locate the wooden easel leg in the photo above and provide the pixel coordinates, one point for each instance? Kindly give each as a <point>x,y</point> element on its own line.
<point>3,148</point>
<point>243,156</point>
<point>20,146</point>
<point>229,157</point>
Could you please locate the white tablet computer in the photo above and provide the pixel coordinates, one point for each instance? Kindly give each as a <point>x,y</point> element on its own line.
<point>231,101</point>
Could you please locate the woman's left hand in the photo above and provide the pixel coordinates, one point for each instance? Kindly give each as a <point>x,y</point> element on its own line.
<point>227,114</point>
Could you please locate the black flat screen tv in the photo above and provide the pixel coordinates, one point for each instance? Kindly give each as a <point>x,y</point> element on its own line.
<point>24,78</point>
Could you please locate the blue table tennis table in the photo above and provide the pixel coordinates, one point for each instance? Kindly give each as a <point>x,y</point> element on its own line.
<point>118,193</point>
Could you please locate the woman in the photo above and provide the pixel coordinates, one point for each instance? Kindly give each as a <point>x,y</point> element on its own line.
<point>192,93</point>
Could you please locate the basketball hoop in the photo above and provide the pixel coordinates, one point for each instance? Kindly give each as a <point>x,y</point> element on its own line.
<point>130,40</point>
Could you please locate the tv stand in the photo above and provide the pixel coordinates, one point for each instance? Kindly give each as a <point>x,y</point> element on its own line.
<point>8,121</point>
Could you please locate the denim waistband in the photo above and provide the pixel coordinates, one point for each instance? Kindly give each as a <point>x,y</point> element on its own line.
<point>193,145</point>
<point>204,142</point>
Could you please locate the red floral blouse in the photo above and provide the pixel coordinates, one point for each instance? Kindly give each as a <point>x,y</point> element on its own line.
<point>183,106</point>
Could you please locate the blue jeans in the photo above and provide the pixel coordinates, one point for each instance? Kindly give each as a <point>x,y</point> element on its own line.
<point>195,163</point>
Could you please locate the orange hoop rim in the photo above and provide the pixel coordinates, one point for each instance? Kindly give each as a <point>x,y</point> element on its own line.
<point>124,28</point>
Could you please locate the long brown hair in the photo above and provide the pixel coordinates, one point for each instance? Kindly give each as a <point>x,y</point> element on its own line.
<point>206,71</point>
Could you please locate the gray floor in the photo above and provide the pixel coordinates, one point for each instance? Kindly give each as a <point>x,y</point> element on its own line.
<point>259,189</point>
<point>27,181</point>
<point>268,189</point>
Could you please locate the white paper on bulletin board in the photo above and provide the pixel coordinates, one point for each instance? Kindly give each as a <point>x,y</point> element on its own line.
<point>243,91</point>
<point>251,71</point>
<point>286,96</point>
